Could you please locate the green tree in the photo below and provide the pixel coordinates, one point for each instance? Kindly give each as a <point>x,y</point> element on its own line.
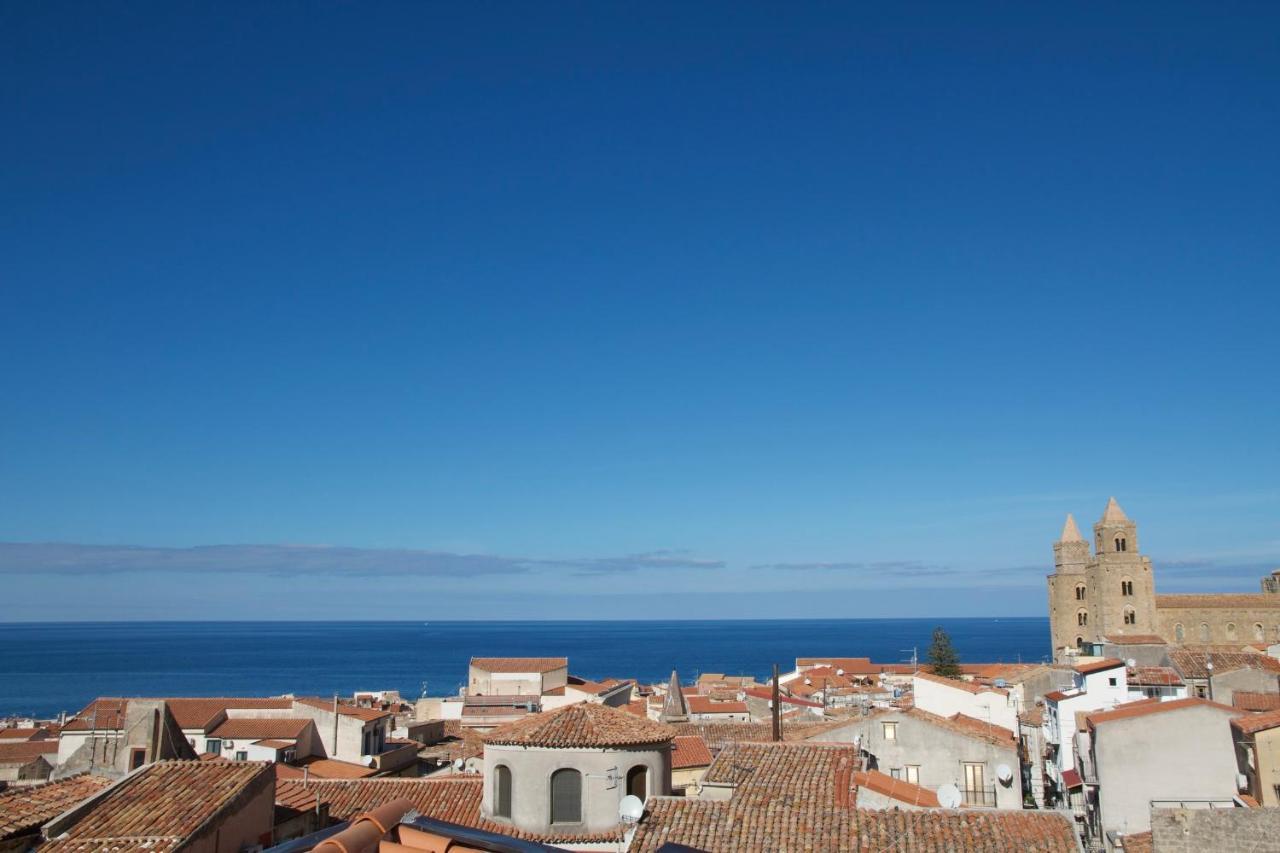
<point>943,659</point>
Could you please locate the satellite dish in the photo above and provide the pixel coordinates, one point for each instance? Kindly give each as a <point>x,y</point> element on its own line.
<point>839,672</point>
<point>1131,663</point>
<point>808,681</point>
<point>1004,774</point>
<point>458,764</point>
<point>631,809</point>
<point>949,796</point>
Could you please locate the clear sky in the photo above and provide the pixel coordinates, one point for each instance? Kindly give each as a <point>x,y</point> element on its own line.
<point>630,310</point>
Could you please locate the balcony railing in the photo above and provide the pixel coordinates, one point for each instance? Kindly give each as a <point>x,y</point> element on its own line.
<point>979,797</point>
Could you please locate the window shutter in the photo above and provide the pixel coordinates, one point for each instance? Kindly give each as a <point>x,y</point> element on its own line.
<point>566,796</point>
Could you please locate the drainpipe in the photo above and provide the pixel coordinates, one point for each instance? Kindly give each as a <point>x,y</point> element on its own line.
<point>335,726</point>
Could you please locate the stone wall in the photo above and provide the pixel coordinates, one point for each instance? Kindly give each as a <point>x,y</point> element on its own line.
<point>1200,830</point>
<point>1218,621</point>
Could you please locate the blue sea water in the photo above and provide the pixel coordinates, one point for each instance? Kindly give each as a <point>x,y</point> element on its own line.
<point>50,667</point>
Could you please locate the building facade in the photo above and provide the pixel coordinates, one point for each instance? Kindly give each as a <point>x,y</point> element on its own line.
<point>1109,592</point>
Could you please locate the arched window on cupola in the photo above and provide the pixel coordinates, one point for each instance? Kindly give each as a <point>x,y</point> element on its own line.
<point>566,796</point>
<point>502,791</point>
<point>638,781</point>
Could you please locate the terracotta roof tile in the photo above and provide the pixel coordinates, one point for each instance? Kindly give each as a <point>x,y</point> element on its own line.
<point>12,733</point>
<point>1153,676</point>
<point>1247,701</point>
<point>322,768</point>
<point>720,735</point>
<point>188,712</point>
<point>344,709</point>
<point>957,684</point>
<point>1252,723</point>
<point>705,705</point>
<point>767,694</point>
<point>896,789</point>
<point>455,799</point>
<point>1097,666</point>
<point>689,751</point>
<point>1192,662</point>
<point>960,724</point>
<point>163,805</point>
<point>24,751</point>
<point>519,664</point>
<point>261,727</point>
<point>581,725</point>
<point>24,810</point>
<point>1130,710</point>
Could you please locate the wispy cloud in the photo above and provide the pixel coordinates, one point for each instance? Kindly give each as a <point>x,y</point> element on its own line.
<point>891,568</point>
<point>39,558</point>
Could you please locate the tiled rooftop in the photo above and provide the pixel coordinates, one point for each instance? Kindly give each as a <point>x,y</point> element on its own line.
<point>322,768</point>
<point>344,709</point>
<point>957,684</point>
<point>1097,666</point>
<point>1253,723</point>
<point>162,806</point>
<point>261,727</point>
<point>519,664</point>
<point>19,734</point>
<point>1132,710</point>
<point>1247,701</point>
<point>719,735</point>
<point>969,726</point>
<point>26,751</point>
<point>706,705</point>
<point>895,789</point>
<point>689,751</point>
<point>23,810</point>
<point>582,725</point>
<point>455,799</point>
<point>188,712</point>
<point>1153,676</point>
<point>1192,662</point>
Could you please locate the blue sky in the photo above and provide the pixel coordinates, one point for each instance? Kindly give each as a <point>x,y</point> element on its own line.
<point>563,311</point>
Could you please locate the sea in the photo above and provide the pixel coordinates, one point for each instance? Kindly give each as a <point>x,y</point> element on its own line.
<point>49,667</point>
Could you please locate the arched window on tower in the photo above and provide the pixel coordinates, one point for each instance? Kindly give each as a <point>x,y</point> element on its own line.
<point>566,796</point>
<point>502,791</point>
<point>1082,617</point>
<point>1257,632</point>
<point>1079,642</point>
<point>1179,634</point>
<point>1205,636</point>
<point>1126,587</point>
<point>1121,544</point>
<point>1079,592</point>
<point>1130,616</point>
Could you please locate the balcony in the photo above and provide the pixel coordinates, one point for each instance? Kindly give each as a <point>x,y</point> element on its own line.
<point>984,798</point>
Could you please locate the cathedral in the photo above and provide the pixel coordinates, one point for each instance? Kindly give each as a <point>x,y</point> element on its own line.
<point>1111,592</point>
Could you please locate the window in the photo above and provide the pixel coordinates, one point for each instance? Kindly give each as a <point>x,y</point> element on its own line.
<point>242,755</point>
<point>1079,592</point>
<point>1204,632</point>
<point>1082,617</point>
<point>288,756</point>
<point>638,781</point>
<point>975,784</point>
<point>213,745</point>
<point>890,731</point>
<point>1080,643</point>
<point>1231,630</point>
<point>1112,682</point>
<point>1130,616</point>
<point>566,796</point>
<point>913,773</point>
<point>1201,693</point>
<point>1121,544</point>
<point>895,773</point>
<point>502,791</point>
<point>1257,632</point>
<point>1126,587</point>
<point>137,757</point>
<point>1179,634</point>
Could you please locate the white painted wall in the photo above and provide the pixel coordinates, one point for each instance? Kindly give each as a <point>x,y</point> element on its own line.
<point>998,709</point>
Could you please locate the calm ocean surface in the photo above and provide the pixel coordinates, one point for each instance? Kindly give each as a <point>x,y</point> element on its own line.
<point>50,667</point>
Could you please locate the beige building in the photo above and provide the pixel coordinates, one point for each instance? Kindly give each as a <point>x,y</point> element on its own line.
<point>1257,738</point>
<point>1109,592</point>
<point>516,676</point>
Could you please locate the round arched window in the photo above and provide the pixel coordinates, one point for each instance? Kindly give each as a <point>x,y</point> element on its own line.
<point>1179,635</point>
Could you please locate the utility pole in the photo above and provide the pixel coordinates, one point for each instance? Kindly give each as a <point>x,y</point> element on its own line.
<point>777,710</point>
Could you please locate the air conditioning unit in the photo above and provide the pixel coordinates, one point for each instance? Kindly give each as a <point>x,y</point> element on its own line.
<point>229,744</point>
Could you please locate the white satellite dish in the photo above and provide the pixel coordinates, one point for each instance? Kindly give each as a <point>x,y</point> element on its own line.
<point>631,809</point>
<point>458,764</point>
<point>1004,774</point>
<point>839,672</point>
<point>1131,663</point>
<point>949,796</point>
